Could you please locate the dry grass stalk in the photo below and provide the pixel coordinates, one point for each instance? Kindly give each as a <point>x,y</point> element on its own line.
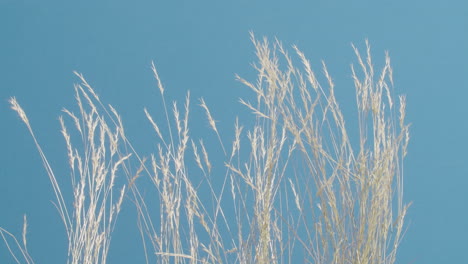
<point>94,167</point>
<point>343,204</point>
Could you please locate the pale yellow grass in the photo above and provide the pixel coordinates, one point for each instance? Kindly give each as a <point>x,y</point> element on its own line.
<point>299,185</point>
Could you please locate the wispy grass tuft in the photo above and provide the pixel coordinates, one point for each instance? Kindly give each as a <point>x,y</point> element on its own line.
<point>298,190</point>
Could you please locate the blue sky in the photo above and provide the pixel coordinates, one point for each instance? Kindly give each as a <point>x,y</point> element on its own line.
<point>200,46</point>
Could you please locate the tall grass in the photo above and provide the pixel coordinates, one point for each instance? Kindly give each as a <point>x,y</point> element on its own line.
<point>299,190</point>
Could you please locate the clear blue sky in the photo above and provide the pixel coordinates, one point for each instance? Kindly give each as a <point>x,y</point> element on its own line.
<point>200,46</point>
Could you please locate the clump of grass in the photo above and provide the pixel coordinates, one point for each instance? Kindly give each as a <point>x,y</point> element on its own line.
<point>299,190</point>
<point>352,209</point>
<point>90,219</point>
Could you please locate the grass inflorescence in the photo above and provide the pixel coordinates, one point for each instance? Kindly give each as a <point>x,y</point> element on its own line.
<point>299,190</point>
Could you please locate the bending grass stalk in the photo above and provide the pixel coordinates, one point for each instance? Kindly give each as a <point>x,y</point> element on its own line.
<point>22,247</point>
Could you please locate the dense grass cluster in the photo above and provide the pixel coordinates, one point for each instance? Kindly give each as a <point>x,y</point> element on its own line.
<point>299,189</point>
